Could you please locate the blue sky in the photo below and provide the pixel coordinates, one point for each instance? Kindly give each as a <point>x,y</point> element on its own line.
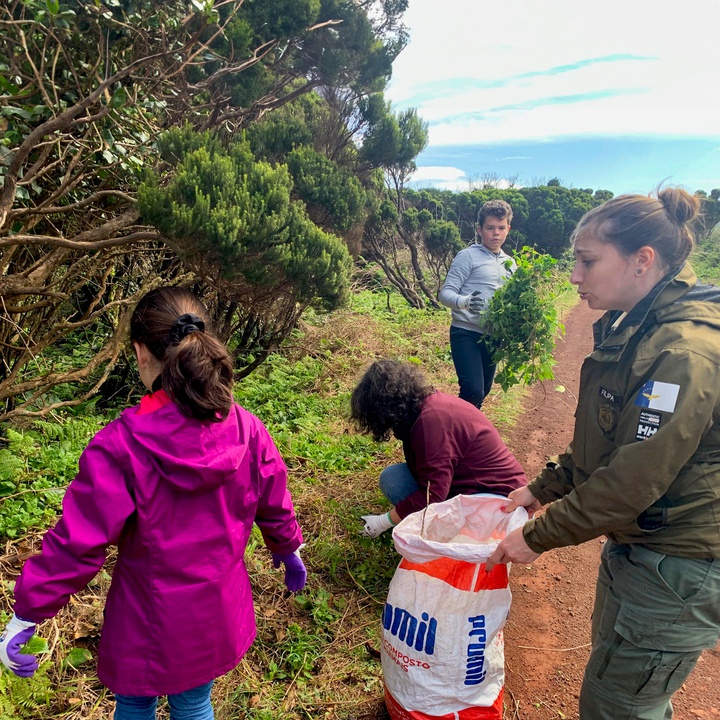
<point>621,94</point>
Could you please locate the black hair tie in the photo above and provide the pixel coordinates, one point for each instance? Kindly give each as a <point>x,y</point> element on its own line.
<point>184,325</point>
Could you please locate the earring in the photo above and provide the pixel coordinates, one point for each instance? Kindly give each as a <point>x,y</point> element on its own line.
<point>638,271</point>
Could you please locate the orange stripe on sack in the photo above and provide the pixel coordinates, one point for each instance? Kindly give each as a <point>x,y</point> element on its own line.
<point>461,574</point>
<point>496,579</point>
<point>494,712</point>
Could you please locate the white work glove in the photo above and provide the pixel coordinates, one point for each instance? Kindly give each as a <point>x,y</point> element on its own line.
<point>472,302</point>
<point>16,634</point>
<point>376,524</point>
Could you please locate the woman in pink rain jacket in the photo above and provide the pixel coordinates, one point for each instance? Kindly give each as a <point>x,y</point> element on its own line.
<point>176,483</point>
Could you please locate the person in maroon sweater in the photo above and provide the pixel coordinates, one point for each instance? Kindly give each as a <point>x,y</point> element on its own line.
<point>450,446</point>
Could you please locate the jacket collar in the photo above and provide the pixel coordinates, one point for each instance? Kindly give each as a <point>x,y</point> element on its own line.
<point>153,401</point>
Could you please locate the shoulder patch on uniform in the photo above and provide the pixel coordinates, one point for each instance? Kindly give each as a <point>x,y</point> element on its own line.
<point>656,395</point>
<point>648,425</point>
<point>610,396</point>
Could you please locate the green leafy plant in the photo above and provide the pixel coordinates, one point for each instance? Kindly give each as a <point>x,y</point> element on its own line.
<point>287,396</point>
<point>36,645</point>
<point>324,607</point>
<point>299,651</point>
<point>25,697</point>
<point>36,464</point>
<point>523,321</point>
<point>706,259</point>
<point>76,657</point>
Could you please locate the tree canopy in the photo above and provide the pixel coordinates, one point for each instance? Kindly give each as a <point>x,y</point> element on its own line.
<point>87,91</point>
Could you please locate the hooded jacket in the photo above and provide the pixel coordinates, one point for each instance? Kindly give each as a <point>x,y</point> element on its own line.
<point>179,497</point>
<point>644,463</point>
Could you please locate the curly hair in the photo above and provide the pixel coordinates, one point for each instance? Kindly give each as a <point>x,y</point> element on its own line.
<point>387,399</point>
<point>498,209</point>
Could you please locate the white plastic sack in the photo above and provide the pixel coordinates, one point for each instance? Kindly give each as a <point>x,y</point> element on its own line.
<point>442,649</point>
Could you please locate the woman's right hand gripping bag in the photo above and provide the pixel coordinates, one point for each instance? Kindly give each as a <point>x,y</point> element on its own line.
<point>442,649</point>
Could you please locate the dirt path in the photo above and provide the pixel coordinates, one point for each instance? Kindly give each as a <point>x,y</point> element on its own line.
<point>547,636</point>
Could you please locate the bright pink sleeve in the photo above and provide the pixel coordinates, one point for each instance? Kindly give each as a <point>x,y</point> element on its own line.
<point>96,506</point>
<point>275,513</point>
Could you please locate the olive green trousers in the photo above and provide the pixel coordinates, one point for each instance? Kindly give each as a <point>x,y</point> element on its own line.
<point>653,616</point>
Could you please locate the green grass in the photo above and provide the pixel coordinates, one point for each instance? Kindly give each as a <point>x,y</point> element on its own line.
<point>36,464</point>
<point>706,259</point>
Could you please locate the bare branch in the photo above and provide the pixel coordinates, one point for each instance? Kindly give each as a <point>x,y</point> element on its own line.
<point>56,124</point>
<point>64,243</point>
<point>89,200</point>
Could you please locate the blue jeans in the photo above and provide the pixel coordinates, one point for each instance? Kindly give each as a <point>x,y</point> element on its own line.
<point>473,364</point>
<point>189,705</point>
<point>397,482</point>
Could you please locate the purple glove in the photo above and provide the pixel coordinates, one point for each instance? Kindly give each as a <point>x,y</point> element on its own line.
<point>295,572</point>
<point>16,634</point>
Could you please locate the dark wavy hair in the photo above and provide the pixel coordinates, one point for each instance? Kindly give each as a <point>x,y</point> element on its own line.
<point>387,399</point>
<point>197,370</point>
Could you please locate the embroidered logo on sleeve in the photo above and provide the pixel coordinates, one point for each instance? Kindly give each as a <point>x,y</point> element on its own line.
<point>658,396</point>
<point>648,425</point>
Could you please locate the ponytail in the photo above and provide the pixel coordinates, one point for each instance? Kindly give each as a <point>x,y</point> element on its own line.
<point>197,370</point>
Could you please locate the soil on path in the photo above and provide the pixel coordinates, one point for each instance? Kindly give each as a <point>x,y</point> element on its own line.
<point>548,633</point>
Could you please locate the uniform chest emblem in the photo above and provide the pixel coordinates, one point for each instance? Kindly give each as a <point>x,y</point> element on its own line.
<point>606,417</point>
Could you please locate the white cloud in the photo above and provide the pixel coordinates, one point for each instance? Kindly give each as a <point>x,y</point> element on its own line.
<point>512,70</point>
<point>445,178</point>
<point>449,178</point>
<point>581,120</point>
<point>437,172</point>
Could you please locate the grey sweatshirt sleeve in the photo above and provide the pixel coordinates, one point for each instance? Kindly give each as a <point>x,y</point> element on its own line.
<point>450,295</point>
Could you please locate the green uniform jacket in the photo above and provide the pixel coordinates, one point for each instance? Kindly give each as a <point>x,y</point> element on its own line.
<point>644,463</point>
